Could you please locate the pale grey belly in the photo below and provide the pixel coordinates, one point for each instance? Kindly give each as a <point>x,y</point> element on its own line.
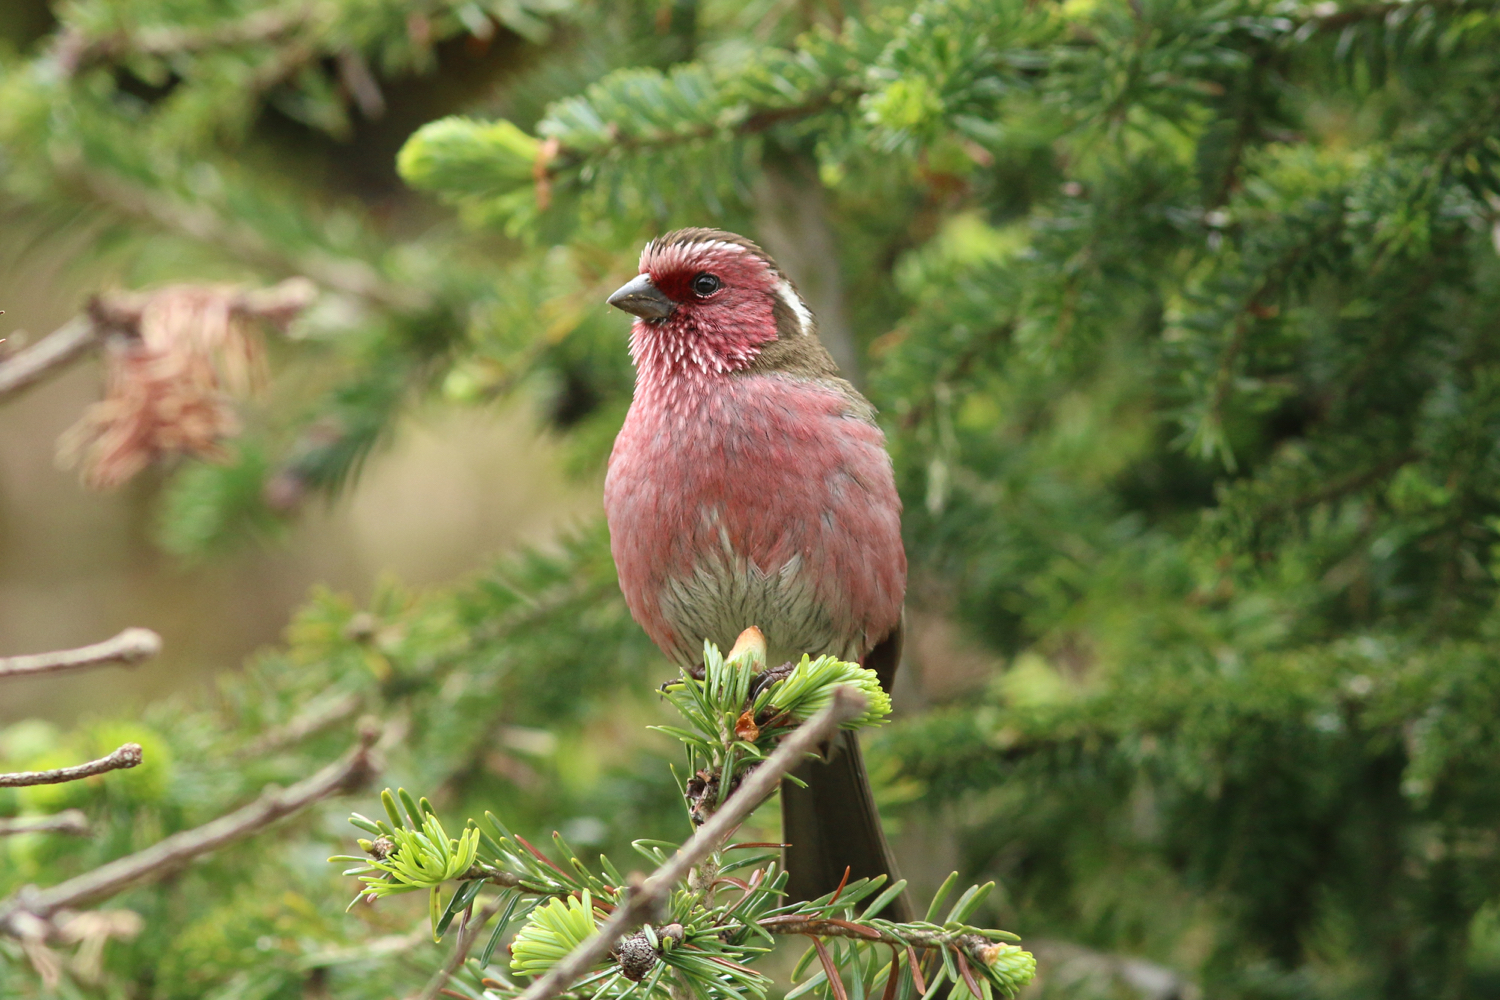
<point>726,594</point>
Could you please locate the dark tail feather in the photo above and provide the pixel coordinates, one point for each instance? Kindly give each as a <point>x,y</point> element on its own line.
<point>832,824</point>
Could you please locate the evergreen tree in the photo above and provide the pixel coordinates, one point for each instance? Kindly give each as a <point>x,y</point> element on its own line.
<point>1180,318</point>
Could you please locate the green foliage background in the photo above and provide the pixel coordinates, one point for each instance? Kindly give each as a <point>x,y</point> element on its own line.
<point>1182,321</point>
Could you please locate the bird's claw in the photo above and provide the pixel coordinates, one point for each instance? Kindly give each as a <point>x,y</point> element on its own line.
<point>766,678</point>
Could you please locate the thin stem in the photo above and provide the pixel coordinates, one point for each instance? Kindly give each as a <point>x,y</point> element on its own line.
<point>302,726</point>
<point>129,755</point>
<point>64,344</point>
<point>71,821</point>
<point>126,649</point>
<point>640,903</point>
<point>76,50</point>
<point>30,904</point>
<point>344,274</point>
<point>121,312</point>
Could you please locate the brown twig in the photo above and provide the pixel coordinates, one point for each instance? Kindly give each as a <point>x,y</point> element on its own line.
<point>71,821</point>
<point>67,342</point>
<point>31,904</point>
<point>126,649</point>
<point>76,50</point>
<point>129,755</point>
<point>641,902</point>
<point>280,303</point>
<point>121,312</point>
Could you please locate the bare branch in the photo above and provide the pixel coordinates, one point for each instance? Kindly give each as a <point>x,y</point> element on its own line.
<point>76,50</point>
<point>643,901</point>
<point>344,274</point>
<point>71,821</point>
<point>126,649</point>
<point>300,727</point>
<point>67,342</point>
<point>30,904</point>
<point>127,756</point>
<point>121,311</point>
<point>278,304</point>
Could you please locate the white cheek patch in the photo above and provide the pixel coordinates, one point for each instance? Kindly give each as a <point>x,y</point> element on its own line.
<point>794,303</point>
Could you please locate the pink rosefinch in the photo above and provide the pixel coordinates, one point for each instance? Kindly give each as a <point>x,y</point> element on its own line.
<point>750,486</point>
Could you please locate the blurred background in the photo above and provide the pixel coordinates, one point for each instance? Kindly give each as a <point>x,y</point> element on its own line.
<point>456,487</point>
<point>1180,319</point>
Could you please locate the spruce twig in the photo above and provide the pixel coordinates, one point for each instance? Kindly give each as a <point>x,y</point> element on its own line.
<point>641,902</point>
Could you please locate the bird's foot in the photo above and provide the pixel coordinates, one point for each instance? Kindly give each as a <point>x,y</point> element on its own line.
<point>695,672</point>
<point>766,678</point>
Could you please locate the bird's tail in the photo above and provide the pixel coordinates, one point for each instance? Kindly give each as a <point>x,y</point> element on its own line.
<point>832,825</point>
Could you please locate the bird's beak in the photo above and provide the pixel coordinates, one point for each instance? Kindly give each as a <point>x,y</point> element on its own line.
<point>641,298</point>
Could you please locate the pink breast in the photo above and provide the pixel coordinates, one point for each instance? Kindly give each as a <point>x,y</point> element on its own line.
<point>778,470</point>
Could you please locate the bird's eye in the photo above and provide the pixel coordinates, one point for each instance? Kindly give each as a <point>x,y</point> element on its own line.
<point>706,284</point>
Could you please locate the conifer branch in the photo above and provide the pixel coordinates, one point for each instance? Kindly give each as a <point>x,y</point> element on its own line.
<point>75,50</point>
<point>643,900</point>
<point>1339,488</point>
<point>302,726</point>
<point>1339,18</point>
<point>1271,284</point>
<point>126,649</point>
<point>127,756</point>
<point>344,775</point>
<point>349,275</point>
<point>755,122</point>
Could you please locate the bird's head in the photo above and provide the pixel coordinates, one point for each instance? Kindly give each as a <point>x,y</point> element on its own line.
<point>709,304</point>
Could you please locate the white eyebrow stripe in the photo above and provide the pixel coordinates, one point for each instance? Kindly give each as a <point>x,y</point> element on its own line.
<point>794,302</point>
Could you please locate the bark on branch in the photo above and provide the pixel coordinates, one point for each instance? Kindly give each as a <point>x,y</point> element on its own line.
<point>126,649</point>
<point>129,755</point>
<point>121,312</point>
<point>69,341</point>
<point>71,821</point>
<point>21,911</point>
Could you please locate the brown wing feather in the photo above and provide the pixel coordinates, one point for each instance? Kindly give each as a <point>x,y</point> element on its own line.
<point>886,656</point>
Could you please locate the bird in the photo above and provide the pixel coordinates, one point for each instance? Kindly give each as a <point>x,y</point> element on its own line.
<point>750,486</point>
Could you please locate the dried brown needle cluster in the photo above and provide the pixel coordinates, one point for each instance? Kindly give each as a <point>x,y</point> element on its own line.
<point>173,359</point>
